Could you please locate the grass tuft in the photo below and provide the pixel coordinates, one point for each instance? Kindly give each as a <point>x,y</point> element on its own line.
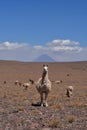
<point>54,123</point>
<point>71,118</point>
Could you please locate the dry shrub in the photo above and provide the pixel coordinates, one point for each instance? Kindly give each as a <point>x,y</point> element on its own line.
<point>78,103</point>
<point>19,97</point>
<point>15,99</point>
<point>71,118</point>
<point>4,95</point>
<point>36,112</point>
<point>17,94</point>
<point>54,98</point>
<point>20,108</point>
<point>55,102</point>
<point>23,98</point>
<point>54,123</point>
<point>35,97</point>
<point>23,121</point>
<point>2,110</point>
<point>57,106</point>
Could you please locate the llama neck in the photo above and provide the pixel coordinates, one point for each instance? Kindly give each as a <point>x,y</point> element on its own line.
<point>44,77</point>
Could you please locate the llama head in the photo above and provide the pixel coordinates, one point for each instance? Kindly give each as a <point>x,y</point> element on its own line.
<point>45,68</point>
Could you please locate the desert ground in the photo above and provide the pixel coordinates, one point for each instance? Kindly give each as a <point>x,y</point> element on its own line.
<point>17,111</point>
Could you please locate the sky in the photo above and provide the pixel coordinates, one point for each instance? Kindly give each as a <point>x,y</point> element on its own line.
<point>31,28</point>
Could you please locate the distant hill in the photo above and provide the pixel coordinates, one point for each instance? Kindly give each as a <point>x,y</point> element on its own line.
<point>44,58</point>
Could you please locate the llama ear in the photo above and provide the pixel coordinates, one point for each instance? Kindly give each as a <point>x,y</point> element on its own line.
<point>47,65</point>
<point>43,65</point>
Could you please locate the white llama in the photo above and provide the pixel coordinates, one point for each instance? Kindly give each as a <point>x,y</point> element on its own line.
<point>69,91</point>
<point>43,86</point>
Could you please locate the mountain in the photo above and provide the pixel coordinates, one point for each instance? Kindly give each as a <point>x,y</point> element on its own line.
<point>44,58</point>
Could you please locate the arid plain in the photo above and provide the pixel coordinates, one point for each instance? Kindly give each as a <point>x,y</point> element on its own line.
<point>63,113</point>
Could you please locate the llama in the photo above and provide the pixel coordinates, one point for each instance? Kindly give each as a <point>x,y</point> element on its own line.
<point>69,91</point>
<point>5,82</point>
<point>17,83</point>
<point>58,81</point>
<point>26,85</point>
<point>43,86</point>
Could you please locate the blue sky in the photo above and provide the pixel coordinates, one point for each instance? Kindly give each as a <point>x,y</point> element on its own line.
<point>30,28</point>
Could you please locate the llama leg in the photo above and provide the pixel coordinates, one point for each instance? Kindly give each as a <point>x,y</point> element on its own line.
<point>46,95</point>
<point>41,99</point>
<point>70,93</point>
<point>67,93</point>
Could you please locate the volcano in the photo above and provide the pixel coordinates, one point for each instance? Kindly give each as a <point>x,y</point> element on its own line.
<point>44,58</point>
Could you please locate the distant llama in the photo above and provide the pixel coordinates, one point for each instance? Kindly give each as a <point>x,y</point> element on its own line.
<point>69,91</point>
<point>27,85</point>
<point>58,81</point>
<point>17,82</point>
<point>43,85</point>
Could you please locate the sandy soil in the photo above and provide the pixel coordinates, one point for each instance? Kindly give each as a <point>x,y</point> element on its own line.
<point>63,113</point>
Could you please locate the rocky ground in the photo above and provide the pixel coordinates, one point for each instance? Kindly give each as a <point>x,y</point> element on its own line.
<point>18,106</point>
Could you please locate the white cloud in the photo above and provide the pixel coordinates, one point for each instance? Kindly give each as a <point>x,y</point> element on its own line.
<point>60,45</point>
<point>60,50</point>
<point>62,42</point>
<point>10,46</point>
<point>38,47</point>
<point>70,55</point>
<point>66,48</point>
